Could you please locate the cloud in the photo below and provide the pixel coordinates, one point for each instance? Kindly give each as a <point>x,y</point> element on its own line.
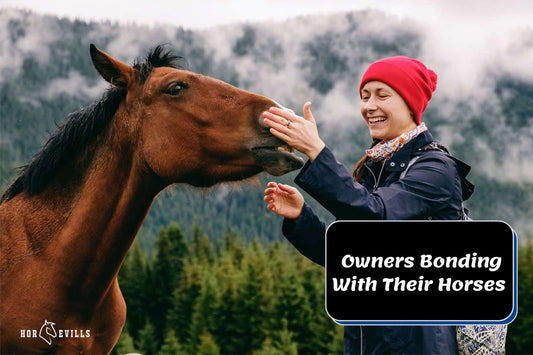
<point>24,35</point>
<point>73,85</point>
<point>470,54</point>
<point>130,41</point>
<point>470,60</point>
<point>514,167</point>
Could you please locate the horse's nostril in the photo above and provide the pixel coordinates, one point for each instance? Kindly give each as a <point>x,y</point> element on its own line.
<point>262,124</point>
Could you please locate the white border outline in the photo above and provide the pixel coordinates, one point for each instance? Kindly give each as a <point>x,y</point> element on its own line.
<point>504,321</point>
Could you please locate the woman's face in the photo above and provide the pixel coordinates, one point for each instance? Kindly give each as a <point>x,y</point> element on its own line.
<point>385,111</point>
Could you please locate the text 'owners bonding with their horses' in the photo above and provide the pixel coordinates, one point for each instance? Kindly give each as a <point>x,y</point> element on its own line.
<point>403,176</point>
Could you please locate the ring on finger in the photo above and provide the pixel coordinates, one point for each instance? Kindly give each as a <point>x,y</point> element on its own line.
<point>288,123</point>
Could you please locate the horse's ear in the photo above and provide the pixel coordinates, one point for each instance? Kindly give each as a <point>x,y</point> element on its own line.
<point>112,70</point>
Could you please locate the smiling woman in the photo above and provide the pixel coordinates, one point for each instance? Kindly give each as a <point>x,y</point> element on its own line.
<point>385,111</point>
<point>402,176</point>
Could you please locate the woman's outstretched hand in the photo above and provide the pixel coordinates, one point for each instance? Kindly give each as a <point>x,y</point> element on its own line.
<point>284,200</point>
<point>301,133</point>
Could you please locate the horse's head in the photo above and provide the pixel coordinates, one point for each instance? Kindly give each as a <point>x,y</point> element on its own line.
<point>191,128</point>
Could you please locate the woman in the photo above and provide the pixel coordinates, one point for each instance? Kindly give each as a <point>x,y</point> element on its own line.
<point>403,176</point>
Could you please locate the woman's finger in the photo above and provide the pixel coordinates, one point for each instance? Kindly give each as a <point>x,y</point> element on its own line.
<point>308,115</point>
<point>269,191</point>
<point>280,123</point>
<point>285,113</point>
<point>272,184</point>
<point>276,118</point>
<point>283,128</point>
<point>287,188</point>
<point>280,135</point>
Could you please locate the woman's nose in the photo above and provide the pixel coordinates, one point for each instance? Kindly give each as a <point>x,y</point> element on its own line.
<point>369,104</point>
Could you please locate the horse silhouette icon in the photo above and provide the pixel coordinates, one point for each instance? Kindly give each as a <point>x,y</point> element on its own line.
<point>47,332</point>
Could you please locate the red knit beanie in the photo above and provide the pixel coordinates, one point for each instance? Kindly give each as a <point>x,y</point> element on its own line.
<point>409,77</point>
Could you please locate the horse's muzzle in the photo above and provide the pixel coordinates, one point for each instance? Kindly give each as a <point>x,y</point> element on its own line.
<point>277,160</point>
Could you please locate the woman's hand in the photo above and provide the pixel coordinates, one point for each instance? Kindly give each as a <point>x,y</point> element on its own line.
<point>284,200</point>
<point>300,133</point>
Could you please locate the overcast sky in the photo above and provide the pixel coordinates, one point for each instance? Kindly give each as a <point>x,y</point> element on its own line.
<point>493,15</point>
<point>467,33</point>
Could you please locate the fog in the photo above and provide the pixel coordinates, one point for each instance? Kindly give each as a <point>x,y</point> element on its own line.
<point>321,58</point>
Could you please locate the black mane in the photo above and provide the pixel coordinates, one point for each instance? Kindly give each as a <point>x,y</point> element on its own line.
<point>157,57</point>
<point>80,129</point>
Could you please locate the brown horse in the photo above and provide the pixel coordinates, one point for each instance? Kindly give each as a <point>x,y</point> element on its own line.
<point>68,220</point>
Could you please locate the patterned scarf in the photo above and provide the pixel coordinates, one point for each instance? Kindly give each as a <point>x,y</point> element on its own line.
<point>384,150</point>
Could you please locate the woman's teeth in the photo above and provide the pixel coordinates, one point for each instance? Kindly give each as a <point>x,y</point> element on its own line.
<point>377,119</point>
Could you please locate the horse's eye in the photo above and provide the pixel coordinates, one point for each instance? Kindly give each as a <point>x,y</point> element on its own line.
<point>176,88</point>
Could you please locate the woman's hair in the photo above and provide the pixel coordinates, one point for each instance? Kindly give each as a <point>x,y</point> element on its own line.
<point>359,167</point>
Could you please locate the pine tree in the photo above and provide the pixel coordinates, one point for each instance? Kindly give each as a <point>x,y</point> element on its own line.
<point>322,328</point>
<point>229,332</point>
<point>184,297</point>
<point>336,346</point>
<point>284,340</point>
<point>202,320</point>
<point>167,272</point>
<point>208,346</point>
<point>200,244</point>
<point>171,346</point>
<point>293,305</point>
<point>269,349</point>
<point>252,314</point>
<point>147,342</point>
<point>124,344</point>
<point>233,246</point>
<point>133,279</point>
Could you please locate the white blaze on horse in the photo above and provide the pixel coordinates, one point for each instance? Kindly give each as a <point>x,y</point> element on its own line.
<point>68,220</point>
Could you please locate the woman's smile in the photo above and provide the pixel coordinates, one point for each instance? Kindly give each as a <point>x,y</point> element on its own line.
<point>376,120</point>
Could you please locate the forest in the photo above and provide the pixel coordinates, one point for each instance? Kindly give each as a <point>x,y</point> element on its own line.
<point>237,297</point>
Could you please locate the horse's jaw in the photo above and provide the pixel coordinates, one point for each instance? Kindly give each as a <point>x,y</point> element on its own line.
<point>276,161</point>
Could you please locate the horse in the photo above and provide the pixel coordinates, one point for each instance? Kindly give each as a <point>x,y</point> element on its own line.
<point>69,218</point>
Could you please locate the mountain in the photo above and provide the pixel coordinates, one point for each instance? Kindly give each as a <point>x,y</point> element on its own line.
<point>482,112</point>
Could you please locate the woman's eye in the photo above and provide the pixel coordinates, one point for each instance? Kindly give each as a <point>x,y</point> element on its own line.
<point>176,88</point>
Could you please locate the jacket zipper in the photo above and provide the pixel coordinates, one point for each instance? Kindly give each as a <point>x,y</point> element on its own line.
<point>376,181</point>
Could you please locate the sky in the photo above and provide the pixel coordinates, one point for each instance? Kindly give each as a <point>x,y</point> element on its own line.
<point>494,15</point>
<point>457,30</point>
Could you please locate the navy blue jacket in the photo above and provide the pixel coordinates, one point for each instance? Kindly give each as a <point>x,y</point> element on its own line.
<point>429,189</point>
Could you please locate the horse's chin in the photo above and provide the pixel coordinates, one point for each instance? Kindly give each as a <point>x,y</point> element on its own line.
<point>276,161</point>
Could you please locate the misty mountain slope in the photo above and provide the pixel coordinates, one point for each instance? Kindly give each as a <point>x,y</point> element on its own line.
<point>482,113</point>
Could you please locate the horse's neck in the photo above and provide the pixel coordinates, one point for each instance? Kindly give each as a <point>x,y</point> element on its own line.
<point>104,215</point>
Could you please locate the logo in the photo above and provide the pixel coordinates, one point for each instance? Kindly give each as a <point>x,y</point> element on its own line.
<point>48,333</point>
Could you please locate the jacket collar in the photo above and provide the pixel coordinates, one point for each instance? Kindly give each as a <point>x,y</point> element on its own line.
<point>400,159</point>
